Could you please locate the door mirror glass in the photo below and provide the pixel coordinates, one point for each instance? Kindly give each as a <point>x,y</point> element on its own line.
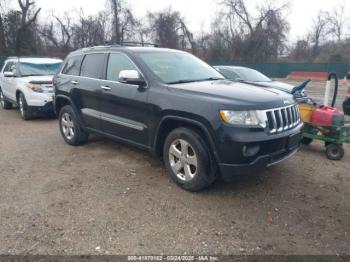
<point>9,74</point>
<point>132,77</point>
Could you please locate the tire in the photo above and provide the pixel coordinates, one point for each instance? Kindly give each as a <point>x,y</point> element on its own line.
<point>23,107</point>
<point>194,170</point>
<point>70,128</point>
<point>306,141</point>
<point>4,104</point>
<point>335,152</point>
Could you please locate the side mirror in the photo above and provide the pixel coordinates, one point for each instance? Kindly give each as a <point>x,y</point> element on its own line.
<point>9,74</point>
<point>131,77</point>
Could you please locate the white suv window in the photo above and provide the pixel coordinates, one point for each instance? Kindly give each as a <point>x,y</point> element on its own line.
<point>10,67</point>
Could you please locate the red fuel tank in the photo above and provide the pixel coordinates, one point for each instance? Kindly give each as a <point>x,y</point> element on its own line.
<point>327,116</point>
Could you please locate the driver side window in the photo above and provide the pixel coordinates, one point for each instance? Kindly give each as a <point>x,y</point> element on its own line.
<point>116,63</point>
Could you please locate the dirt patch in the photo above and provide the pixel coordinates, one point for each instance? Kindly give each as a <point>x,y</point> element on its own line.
<point>108,198</point>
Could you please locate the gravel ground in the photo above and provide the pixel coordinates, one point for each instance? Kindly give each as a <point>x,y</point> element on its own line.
<point>108,198</point>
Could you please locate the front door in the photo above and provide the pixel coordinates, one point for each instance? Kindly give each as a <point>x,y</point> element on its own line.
<point>125,111</point>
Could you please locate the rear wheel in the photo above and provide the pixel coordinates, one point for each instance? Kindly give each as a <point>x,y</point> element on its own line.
<point>188,160</point>
<point>23,107</point>
<point>335,152</point>
<point>70,129</point>
<point>4,103</point>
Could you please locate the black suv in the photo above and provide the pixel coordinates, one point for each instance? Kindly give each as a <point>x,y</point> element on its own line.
<point>175,106</point>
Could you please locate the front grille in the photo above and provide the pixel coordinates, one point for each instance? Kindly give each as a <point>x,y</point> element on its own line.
<point>282,119</point>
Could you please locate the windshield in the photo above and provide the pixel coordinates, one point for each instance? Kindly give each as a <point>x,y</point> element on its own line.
<point>252,75</point>
<point>29,69</point>
<point>177,67</point>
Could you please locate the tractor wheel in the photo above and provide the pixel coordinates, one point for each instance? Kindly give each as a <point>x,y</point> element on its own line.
<point>335,152</point>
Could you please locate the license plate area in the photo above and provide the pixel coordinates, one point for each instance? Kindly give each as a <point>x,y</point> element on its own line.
<point>293,141</point>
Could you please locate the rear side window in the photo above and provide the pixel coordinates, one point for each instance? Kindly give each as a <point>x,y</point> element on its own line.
<point>117,63</point>
<point>72,67</point>
<point>92,65</point>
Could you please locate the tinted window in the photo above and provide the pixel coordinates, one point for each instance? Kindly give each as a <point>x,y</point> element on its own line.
<point>92,65</point>
<point>117,63</point>
<point>72,67</point>
<point>229,74</point>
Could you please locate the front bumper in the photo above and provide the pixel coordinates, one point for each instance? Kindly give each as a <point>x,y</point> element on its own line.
<point>230,171</point>
<point>271,151</point>
<point>38,99</point>
<point>46,109</point>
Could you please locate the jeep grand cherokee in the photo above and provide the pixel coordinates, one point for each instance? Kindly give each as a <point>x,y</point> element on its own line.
<point>177,107</point>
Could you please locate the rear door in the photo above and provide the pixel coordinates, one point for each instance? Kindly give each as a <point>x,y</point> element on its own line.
<point>125,110</point>
<point>88,92</point>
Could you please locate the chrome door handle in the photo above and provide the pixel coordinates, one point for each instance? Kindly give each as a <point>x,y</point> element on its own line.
<point>107,88</point>
<point>74,82</point>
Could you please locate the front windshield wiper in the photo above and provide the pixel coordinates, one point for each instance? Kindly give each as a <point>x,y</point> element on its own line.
<point>195,80</point>
<point>33,75</point>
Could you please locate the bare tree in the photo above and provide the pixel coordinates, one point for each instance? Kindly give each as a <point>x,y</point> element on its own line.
<point>189,36</point>
<point>319,31</point>
<point>27,20</point>
<point>2,27</point>
<point>258,37</point>
<point>89,31</point>
<point>168,29</point>
<point>123,21</point>
<point>59,31</point>
<point>338,21</point>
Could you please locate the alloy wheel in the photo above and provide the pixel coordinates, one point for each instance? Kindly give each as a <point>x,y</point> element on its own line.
<point>2,99</point>
<point>183,160</point>
<point>21,106</point>
<point>68,126</point>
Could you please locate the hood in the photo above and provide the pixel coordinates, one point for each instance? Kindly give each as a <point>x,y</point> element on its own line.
<point>37,79</point>
<point>278,85</point>
<point>237,94</point>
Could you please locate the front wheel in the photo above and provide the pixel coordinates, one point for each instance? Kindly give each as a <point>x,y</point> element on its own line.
<point>188,160</point>
<point>70,129</point>
<point>4,104</point>
<point>335,152</point>
<point>23,107</point>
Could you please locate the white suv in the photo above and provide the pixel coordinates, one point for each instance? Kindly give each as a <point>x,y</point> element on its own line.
<point>27,82</point>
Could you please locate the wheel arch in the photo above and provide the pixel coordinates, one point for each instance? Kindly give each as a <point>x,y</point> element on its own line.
<point>18,92</point>
<point>170,123</point>
<point>62,100</point>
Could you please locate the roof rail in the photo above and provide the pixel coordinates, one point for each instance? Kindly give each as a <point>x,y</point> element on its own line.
<point>130,43</point>
<point>12,57</point>
<point>19,57</point>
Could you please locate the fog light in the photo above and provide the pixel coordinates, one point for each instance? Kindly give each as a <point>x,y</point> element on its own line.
<point>250,151</point>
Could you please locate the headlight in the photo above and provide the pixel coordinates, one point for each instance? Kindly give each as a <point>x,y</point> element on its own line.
<point>35,87</point>
<point>244,118</point>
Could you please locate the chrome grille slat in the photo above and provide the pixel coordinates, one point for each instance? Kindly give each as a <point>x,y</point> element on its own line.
<point>274,122</point>
<point>282,119</point>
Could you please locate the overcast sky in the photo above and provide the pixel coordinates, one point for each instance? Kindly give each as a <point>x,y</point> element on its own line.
<point>199,13</point>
